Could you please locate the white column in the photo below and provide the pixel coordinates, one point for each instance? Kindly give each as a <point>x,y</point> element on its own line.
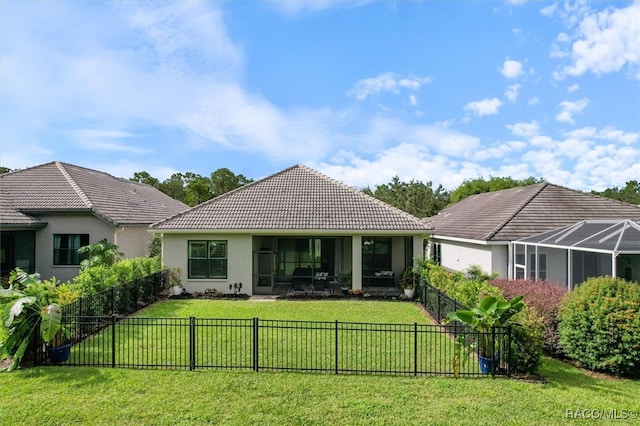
<point>356,262</point>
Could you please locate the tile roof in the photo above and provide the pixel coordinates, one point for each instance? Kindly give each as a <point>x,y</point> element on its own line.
<point>61,187</point>
<point>516,213</point>
<point>297,198</point>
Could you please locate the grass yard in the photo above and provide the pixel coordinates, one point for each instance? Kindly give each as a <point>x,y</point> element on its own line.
<point>104,396</point>
<point>287,339</point>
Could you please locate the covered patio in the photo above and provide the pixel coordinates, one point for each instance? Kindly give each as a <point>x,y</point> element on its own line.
<point>571,254</point>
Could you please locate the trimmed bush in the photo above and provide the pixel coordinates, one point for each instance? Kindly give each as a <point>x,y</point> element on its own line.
<point>527,339</point>
<point>600,325</point>
<point>545,299</point>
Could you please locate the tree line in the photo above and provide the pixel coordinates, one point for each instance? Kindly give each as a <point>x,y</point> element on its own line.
<point>418,198</point>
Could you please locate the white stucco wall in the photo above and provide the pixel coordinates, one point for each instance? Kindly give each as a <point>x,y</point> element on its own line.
<point>458,256</point>
<point>239,261</point>
<point>500,260</point>
<point>68,224</point>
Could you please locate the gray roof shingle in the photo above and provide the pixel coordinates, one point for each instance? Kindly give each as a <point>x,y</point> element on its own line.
<point>61,187</point>
<point>516,213</point>
<point>297,198</point>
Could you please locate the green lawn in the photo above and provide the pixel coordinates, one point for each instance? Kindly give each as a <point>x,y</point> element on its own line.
<point>79,395</point>
<point>293,342</point>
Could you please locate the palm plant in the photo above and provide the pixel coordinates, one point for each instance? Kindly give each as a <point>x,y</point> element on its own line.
<point>26,311</point>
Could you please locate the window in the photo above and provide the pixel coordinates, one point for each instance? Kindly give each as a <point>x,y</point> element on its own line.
<point>208,259</point>
<point>376,255</point>
<point>65,248</point>
<point>436,254</point>
<point>302,254</point>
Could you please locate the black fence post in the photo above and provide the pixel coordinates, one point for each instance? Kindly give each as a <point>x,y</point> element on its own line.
<point>336,348</point>
<point>493,352</point>
<point>509,351</point>
<point>192,343</point>
<point>113,300</point>
<point>255,344</point>
<point>415,348</point>
<point>113,341</point>
<point>438,306</point>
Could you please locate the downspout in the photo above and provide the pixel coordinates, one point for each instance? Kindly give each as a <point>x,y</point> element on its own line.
<point>115,236</point>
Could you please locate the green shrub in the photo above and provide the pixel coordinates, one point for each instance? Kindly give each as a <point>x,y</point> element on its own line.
<point>600,325</point>
<point>467,291</point>
<point>101,277</point>
<point>527,337</point>
<point>527,340</point>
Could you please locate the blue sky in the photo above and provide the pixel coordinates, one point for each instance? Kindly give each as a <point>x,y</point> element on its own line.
<point>437,91</point>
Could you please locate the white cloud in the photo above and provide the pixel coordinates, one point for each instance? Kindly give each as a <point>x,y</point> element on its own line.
<point>511,92</point>
<point>569,109</point>
<point>484,107</point>
<point>387,82</point>
<point>511,69</point>
<point>603,42</point>
<point>533,101</point>
<point>526,130</point>
<point>573,88</point>
<point>549,10</point>
<point>413,101</point>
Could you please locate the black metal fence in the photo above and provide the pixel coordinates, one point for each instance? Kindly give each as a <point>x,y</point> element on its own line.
<point>123,299</point>
<point>437,303</point>
<point>120,300</point>
<point>275,345</point>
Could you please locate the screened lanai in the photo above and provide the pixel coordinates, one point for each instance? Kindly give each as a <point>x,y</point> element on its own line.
<point>571,254</point>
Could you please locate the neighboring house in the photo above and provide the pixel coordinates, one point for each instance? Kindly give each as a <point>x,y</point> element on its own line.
<point>49,211</point>
<point>479,230</point>
<point>573,253</point>
<point>296,226</point>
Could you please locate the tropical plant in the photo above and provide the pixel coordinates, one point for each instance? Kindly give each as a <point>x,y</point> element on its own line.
<point>100,253</point>
<point>462,350</point>
<point>344,278</point>
<point>407,279</point>
<point>490,313</point>
<point>24,314</point>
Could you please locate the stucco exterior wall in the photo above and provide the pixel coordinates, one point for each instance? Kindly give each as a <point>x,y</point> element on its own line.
<point>133,241</point>
<point>500,260</point>
<point>458,256</point>
<point>67,224</point>
<point>239,261</point>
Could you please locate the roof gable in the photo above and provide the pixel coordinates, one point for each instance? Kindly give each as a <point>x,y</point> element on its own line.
<point>516,213</point>
<point>297,198</point>
<point>61,187</point>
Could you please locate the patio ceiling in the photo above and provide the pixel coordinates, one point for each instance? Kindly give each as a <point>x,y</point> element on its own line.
<point>621,237</point>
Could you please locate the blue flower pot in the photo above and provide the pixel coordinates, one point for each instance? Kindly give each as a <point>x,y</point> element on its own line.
<point>488,364</point>
<point>59,353</point>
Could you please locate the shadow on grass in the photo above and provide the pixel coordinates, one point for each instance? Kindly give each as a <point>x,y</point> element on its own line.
<point>78,376</point>
<point>562,375</point>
